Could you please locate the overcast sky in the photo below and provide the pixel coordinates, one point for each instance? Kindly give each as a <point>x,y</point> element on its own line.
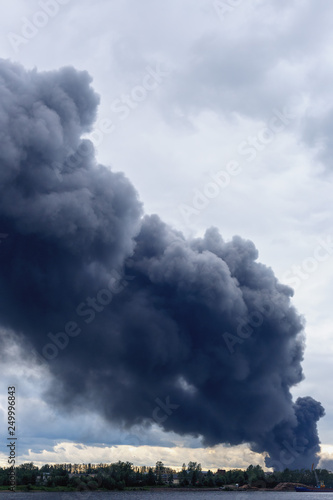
<point>220,114</point>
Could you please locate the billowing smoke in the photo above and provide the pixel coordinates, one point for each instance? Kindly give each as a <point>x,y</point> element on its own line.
<point>132,318</point>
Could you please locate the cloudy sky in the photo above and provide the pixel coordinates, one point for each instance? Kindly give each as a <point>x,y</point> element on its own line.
<point>220,114</point>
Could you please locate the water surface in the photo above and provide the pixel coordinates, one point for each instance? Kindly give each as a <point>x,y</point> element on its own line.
<point>170,495</point>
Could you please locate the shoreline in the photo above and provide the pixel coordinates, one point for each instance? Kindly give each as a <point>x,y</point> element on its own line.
<point>281,487</point>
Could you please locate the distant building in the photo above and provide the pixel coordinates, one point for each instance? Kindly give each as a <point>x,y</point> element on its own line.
<point>43,478</point>
<point>221,472</point>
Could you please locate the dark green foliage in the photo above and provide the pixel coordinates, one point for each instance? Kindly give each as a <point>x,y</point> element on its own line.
<point>151,478</point>
<point>120,475</point>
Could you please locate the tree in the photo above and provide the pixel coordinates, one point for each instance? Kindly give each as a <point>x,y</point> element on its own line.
<point>183,476</point>
<point>254,474</point>
<point>286,476</point>
<point>194,472</point>
<point>209,479</point>
<point>45,468</point>
<point>151,478</point>
<point>159,470</point>
<point>26,473</point>
<point>220,479</point>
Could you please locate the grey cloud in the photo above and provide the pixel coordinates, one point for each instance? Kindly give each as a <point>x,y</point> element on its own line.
<point>151,346</point>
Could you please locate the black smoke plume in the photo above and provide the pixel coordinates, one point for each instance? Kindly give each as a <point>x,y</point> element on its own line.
<point>125,310</point>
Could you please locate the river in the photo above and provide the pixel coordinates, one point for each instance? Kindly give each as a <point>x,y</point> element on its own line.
<point>170,495</point>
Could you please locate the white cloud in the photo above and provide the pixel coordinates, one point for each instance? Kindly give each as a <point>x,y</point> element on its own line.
<point>210,458</point>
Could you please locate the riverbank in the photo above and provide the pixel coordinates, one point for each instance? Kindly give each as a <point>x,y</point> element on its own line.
<point>231,487</point>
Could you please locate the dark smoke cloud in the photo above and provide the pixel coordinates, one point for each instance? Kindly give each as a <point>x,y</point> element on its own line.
<point>134,319</point>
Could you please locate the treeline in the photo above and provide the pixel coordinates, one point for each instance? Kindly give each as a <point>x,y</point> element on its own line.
<point>123,474</point>
<point>253,476</point>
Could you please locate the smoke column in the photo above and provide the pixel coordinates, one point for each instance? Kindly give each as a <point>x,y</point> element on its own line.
<point>122,307</point>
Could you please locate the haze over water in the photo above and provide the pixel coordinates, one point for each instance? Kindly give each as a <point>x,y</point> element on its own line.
<point>170,495</point>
